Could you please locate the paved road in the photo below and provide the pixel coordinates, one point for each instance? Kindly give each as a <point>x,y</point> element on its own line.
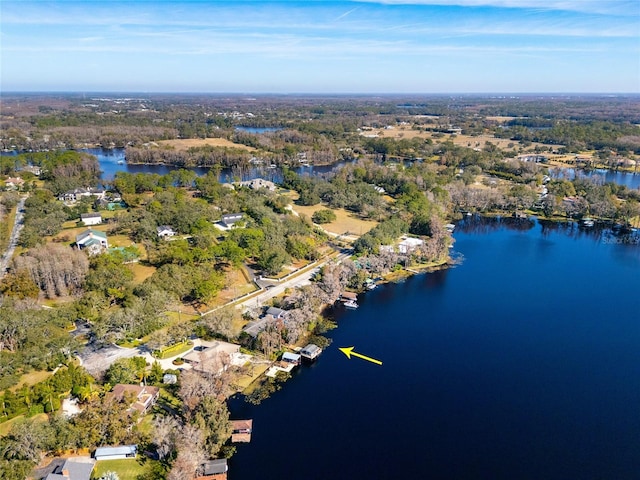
<point>13,240</point>
<point>279,288</point>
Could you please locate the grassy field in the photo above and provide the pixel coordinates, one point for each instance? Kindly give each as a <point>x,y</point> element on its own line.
<point>127,469</point>
<point>140,272</point>
<point>185,144</point>
<point>5,427</point>
<point>345,221</point>
<point>477,141</point>
<point>31,378</point>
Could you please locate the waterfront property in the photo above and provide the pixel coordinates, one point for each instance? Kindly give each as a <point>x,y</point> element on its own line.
<point>292,358</point>
<point>258,183</point>
<point>116,453</point>
<point>241,431</point>
<point>311,352</point>
<point>214,357</point>
<point>348,297</point>
<point>214,470</point>
<point>72,196</point>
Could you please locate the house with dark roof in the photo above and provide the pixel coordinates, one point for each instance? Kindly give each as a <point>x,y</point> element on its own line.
<point>214,470</point>
<point>74,468</point>
<point>230,219</point>
<point>91,218</point>
<point>276,312</point>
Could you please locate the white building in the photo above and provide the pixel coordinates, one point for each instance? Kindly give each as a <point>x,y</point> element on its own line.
<point>91,218</point>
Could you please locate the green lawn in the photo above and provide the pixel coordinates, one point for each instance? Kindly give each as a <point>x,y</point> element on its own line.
<point>5,427</point>
<point>174,350</point>
<point>127,469</point>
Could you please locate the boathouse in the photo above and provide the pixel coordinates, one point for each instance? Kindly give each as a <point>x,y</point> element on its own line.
<point>311,352</point>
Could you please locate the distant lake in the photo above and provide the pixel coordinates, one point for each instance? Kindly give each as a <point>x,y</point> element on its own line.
<point>258,129</point>
<point>113,160</point>
<point>627,179</point>
<point>520,363</point>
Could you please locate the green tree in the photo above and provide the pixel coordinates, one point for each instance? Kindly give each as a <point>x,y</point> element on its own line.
<point>324,216</point>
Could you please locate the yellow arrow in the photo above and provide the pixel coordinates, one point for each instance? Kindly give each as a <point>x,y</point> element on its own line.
<point>348,351</point>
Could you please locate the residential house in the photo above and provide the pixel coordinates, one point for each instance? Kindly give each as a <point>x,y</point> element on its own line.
<point>91,218</point>
<point>277,313</point>
<point>230,219</point>
<point>214,470</point>
<point>13,183</point>
<point>408,244</point>
<point>74,468</point>
<point>533,158</point>
<point>78,193</point>
<point>258,183</point>
<point>116,453</point>
<point>255,327</point>
<point>165,231</point>
<point>213,357</point>
<point>93,241</point>
<point>36,170</point>
<point>143,397</point>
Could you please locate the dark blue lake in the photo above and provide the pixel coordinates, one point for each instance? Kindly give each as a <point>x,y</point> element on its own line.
<point>522,362</point>
<point>113,160</point>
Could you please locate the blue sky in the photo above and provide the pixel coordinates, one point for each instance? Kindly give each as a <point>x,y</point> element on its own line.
<point>438,46</point>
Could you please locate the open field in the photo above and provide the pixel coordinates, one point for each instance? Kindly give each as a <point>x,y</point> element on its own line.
<point>345,221</point>
<point>127,469</point>
<point>237,283</point>
<point>5,427</point>
<point>477,141</point>
<point>31,378</point>
<point>140,272</point>
<point>187,143</point>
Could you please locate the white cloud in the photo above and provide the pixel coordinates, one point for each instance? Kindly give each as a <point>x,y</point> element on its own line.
<point>604,7</point>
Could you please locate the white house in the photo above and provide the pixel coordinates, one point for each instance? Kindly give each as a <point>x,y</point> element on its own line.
<point>78,193</point>
<point>93,241</point>
<point>214,357</point>
<point>91,218</point>
<point>258,183</point>
<point>230,219</point>
<point>408,244</point>
<point>165,231</point>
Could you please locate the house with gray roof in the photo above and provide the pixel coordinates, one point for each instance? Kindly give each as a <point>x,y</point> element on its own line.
<point>91,218</point>
<point>116,453</point>
<point>74,468</point>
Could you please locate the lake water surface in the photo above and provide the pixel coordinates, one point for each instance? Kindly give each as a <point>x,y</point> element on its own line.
<point>522,362</point>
